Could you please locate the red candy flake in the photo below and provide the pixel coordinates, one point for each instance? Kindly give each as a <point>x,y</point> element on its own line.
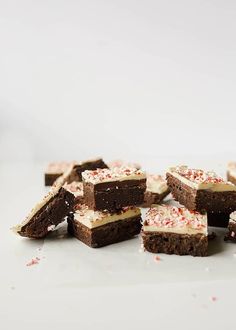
<point>33,261</point>
<point>157,258</point>
<point>198,176</point>
<point>213,298</point>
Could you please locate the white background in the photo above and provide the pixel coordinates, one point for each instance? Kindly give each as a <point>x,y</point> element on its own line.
<point>133,79</point>
<point>148,81</point>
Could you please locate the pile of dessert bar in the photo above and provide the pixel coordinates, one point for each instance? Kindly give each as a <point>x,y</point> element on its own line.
<point>101,204</point>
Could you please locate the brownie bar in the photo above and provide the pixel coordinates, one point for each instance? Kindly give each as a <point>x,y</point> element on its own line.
<point>156,191</point>
<point>49,212</point>
<point>218,219</point>
<point>97,229</point>
<point>231,235</point>
<point>54,171</point>
<point>172,230</point>
<point>112,189</point>
<point>209,194</point>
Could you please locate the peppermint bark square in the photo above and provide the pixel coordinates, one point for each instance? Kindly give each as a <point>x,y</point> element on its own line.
<point>200,190</point>
<point>172,230</point>
<point>156,191</point>
<point>49,212</point>
<point>231,172</point>
<point>231,235</point>
<point>97,229</point>
<point>112,189</point>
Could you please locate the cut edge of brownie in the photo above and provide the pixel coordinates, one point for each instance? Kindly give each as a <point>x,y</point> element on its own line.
<point>110,233</point>
<point>173,243</point>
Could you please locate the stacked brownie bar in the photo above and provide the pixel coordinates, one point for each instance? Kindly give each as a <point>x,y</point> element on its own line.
<point>109,213</point>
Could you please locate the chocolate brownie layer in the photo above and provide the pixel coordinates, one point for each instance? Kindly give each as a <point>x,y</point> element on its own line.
<point>51,214</point>
<point>201,200</point>
<point>171,243</point>
<point>231,178</point>
<point>218,219</point>
<point>49,178</point>
<point>114,195</point>
<point>110,233</point>
<point>151,198</point>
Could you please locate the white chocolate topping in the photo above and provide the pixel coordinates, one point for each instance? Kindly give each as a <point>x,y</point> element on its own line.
<point>201,180</point>
<point>231,167</point>
<point>121,163</point>
<point>57,167</point>
<point>167,218</point>
<point>114,174</point>
<point>93,219</point>
<point>232,216</point>
<point>75,188</point>
<point>156,184</point>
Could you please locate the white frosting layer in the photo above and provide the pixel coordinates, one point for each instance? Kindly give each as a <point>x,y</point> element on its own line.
<point>121,163</point>
<point>233,216</point>
<point>114,174</point>
<point>156,184</point>
<point>57,167</point>
<point>75,187</point>
<point>200,180</point>
<point>232,169</point>
<point>52,193</point>
<point>179,220</point>
<point>93,219</point>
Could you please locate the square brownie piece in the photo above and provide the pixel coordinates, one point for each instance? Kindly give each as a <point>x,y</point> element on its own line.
<point>54,170</point>
<point>97,229</point>
<point>175,230</point>
<point>231,235</point>
<point>157,190</point>
<point>200,190</point>
<point>49,212</point>
<point>112,189</point>
<point>231,172</point>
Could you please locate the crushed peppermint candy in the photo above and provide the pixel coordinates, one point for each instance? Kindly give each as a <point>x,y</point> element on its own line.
<point>113,174</point>
<point>82,210</point>
<point>121,163</point>
<point>213,298</point>
<point>33,261</point>
<point>198,176</point>
<point>171,217</point>
<point>157,258</point>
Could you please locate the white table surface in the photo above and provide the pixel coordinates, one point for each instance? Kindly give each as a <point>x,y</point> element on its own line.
<point>115,287</point>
